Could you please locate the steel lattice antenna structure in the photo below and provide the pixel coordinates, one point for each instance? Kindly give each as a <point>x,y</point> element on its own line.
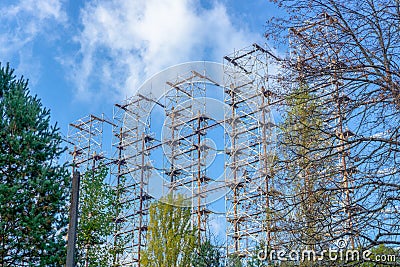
<point>323,70</point>
<point>249,204</point>
<point>85,141</point>
<point>202,130</point>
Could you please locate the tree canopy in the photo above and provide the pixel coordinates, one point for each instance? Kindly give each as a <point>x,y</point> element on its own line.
<point>33,184</point>
<point>171,238</point>
<point>348,54</point>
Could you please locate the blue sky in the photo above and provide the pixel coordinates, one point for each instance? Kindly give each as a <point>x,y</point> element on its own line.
<point>83,56</point>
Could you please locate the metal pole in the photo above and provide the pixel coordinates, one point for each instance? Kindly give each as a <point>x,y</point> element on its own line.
<point>73,220</point>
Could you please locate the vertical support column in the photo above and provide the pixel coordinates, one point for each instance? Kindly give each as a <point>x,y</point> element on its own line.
<point>236,236</point>
<point>73,220</point>
<point>117,226</point>
<point>265,166</point>
<point>141,194</point>
<point>343,152</point>
<point>136,169</point>
<point>249,210</point>
<point>198,177</point>
<point>186,130</point>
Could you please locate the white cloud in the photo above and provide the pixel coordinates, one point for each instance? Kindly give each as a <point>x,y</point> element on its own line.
<point>27,19</point>
<point>21,24</point>
<point>40,9</point>
<point>217,226</point>
<point>124,42</point>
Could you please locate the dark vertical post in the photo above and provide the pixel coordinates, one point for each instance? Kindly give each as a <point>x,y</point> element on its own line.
<point>141,201</point>
<point>73,220</point>
<point>198,177</point>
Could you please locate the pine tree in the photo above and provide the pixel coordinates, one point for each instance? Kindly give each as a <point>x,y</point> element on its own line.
<point>171,239</point>
<point>234,260</point>
<point>207,255</point>
<point>258,259</point>
<point>33,185</point>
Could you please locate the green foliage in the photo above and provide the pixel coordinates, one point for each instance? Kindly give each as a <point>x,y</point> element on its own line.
<point>33,186</point>
<point>96,221</point>
<point>120,241</point>
<point>207,255</point>
<point>171,237</point>
<point>234,261</point>
<point>391,257</point>
<point>254,260</point>
<point>302,139</point>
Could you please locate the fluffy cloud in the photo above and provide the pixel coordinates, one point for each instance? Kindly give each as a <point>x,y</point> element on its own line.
<point>27,19</point>
<point>124,42</point>
<point>21,23</point>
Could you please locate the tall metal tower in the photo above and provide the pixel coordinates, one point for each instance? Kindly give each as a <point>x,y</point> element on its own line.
<point>248,174</point>
<point>202,130</point>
